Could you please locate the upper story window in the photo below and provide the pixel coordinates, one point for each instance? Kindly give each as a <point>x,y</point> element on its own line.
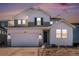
<point>23,21</point>
<point>38,21</point>
<point>11,23</point>
<point>19,21</point>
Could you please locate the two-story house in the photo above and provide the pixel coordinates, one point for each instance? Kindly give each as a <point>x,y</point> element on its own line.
<point>31,26</point>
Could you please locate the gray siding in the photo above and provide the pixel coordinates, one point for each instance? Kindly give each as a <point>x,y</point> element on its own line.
<point>54,40</point>
<point>32,14</point>
<point>23,36</point>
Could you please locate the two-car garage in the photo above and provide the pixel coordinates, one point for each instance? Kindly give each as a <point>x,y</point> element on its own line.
<point>24,37</point>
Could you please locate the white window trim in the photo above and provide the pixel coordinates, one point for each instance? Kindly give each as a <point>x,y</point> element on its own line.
<point>62,35</point>
<point>58,35</point>
<point>38,21</point>
<point>19,22</point>
<point>23,21</point>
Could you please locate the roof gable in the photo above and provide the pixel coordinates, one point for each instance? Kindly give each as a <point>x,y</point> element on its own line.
<point>66,22</point>
<point>28,11</point>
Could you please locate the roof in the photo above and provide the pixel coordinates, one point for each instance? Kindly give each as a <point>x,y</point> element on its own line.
<point>26,10</point>
<point>75,23</point>
<point>69,24</point>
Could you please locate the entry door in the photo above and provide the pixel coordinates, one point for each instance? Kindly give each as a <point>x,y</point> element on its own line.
<point>46,36</point>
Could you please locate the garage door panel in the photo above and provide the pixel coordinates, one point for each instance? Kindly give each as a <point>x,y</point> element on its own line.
<point>27,39</point>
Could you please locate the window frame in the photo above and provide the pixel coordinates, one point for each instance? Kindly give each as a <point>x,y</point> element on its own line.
<point>58,34</point>
<point>20,21</point>
<point>24,22</point>
<point>64,34</point>
<point>38,21</point>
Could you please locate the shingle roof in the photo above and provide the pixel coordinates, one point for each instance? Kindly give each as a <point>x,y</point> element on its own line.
<point>38,9</point>
<point>63,20</point>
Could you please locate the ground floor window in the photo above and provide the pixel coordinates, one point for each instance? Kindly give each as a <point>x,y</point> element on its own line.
<point>64,33</point>
<point>58,33</point>
<point>61,33</point>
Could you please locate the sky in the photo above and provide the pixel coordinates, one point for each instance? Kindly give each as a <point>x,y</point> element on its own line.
<point>68,11</point>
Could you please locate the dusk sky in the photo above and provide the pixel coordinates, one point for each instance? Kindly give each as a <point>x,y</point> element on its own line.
<point>68,11</point>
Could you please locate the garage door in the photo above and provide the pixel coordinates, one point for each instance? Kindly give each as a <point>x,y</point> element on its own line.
<point>29,38</point>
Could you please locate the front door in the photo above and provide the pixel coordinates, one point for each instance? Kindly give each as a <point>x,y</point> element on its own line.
<point>46,36</point>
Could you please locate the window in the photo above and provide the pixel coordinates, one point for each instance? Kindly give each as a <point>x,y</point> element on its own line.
<point>19,21</point>
<point>38,21</point>
<point>11,23</point>
<point>58,33</point>
<point>23,21</point>
<point>64,33</point>
<point>61,33</point>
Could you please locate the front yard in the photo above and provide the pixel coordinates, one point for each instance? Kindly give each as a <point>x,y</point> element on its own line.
<point>34,51</point>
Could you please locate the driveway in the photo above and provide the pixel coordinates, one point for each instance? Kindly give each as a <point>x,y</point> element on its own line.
<point>34,51</point>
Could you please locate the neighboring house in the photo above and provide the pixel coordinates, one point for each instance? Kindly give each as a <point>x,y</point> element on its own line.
<point>3,37</point>
<point>33,25</point>
<point>76,34</point>
<point>4,23</point>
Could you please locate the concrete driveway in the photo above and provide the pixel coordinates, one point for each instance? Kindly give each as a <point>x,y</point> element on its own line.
<point>18,51</point>
<point>13,51</point>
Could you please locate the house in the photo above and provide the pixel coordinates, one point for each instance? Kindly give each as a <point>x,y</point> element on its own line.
<point>3,23</point>
<point>26,27</point>
<point>76,34</point>
<point>3,37</point>
<point>32,26</point>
